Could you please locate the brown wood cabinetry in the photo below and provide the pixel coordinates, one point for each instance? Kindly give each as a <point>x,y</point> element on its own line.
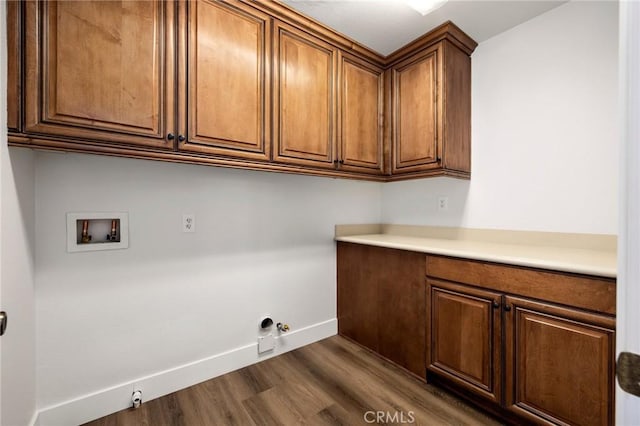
<point>416,113</point>
<point>381,302</point>
<point>236,83</point>
<point>305,98</point>
<point>14,81</point>
<point>360,122</point>
<point>228,64</point>
<point>431,112</point>
<point>464,337</point>
<point>559,363</point>
<point>101,71</point>
<point>558,360</point>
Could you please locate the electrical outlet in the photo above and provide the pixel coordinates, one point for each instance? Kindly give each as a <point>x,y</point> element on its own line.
<point>188,223</point>
<point>443,203</point>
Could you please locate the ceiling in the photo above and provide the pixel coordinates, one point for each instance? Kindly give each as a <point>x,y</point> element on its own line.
<point>386,25</point>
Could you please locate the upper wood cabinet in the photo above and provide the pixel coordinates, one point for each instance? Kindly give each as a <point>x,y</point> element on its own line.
<point>431,112</point>
<point>14,81</point>
<point>361,115</point>
<point>237,83</point>
<point>101,70</point>
<point>228,63</point>
<point>305,98</point>
<point>416,116</point>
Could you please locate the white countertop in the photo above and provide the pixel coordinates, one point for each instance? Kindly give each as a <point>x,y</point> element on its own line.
<point>567,259</point>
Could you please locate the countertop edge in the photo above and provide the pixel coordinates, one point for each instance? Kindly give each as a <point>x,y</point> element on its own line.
<point>553,265</point>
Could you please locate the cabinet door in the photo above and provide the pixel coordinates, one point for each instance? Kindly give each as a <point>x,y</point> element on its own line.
<point>416,112</point>
<point>361,116</point>
<point>305,106</point>
<point>401,307</point>
<point>228,80</point>
<point>101,70</point>
<point>559,364</point>
<point>381,302</point>
<point>14,83</point>
<point>464,337</point>
<point>358,293</point>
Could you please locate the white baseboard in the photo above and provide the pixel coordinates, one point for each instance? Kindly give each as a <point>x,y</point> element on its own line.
<point>106,401</point>
<point>35,419</point>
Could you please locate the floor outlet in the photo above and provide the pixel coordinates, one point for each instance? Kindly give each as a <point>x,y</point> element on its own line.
<point>266,343</point>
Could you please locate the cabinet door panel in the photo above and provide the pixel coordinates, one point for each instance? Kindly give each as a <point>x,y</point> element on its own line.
<point>464,337</point>
<point>228,80</point>
<point>14,83</point>
<point>559,364</point>
<point>358,293</point>
<point>304,99</point>
<point>361,111</point>
<point>401,308</point>
<point>106,70</point>
<point>381,302</point>
<point>416,112</point>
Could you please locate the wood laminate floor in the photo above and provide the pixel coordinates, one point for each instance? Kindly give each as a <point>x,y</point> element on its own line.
<point>331,382</point>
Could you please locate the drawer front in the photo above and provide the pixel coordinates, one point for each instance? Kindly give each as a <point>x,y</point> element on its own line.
<point>580,291</point>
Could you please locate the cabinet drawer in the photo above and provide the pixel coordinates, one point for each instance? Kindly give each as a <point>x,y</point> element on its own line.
<point>580,291</point>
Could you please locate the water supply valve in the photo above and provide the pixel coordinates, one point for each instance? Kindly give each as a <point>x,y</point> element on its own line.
<point>283,328</point>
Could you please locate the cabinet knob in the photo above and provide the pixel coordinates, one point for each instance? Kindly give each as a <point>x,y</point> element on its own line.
<point>496,305</point>
<point>181,138</point>
<point>171,136</point>
<point>507,308</point>
<point>341,161</point>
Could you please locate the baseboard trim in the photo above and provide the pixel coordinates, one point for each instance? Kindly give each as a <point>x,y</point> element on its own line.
<point>35,419</point>
<point>109,400</point>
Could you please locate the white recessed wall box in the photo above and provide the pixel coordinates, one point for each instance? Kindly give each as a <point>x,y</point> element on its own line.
<point>97,231</point>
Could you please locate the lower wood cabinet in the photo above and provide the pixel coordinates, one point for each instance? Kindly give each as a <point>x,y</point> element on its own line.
<point>381,302</point>
<point>559,363</point>
<point>464,339</point>
<point>529,359</point>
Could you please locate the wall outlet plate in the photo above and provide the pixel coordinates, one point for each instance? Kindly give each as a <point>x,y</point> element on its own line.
<point>443,203</point>
<point>266,343</point>
<point>188,222</point>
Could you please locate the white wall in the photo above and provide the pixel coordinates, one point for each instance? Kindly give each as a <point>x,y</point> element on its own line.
<point>545,132</point>
<point>628,287</point>
<point>17,198</point>
<point>264,244</point>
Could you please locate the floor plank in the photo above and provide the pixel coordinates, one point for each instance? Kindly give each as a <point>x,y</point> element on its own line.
<point>331,382</point>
